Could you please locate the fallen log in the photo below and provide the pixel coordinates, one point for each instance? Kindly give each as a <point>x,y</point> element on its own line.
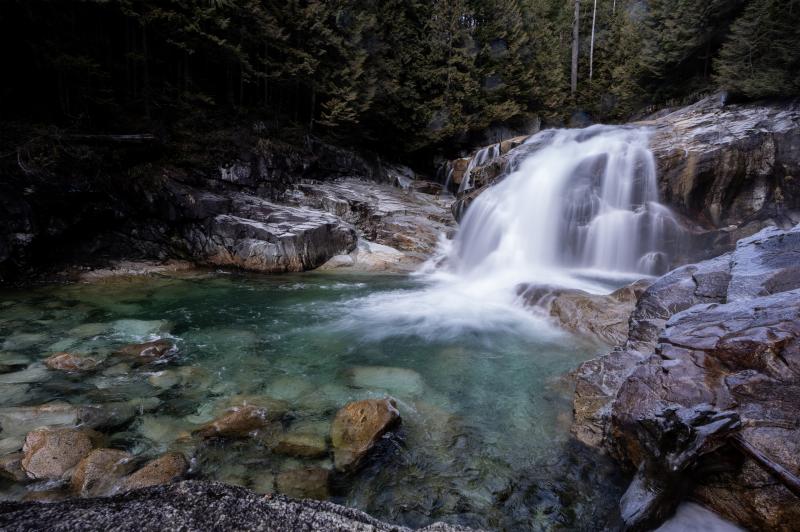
<point>786,477</point>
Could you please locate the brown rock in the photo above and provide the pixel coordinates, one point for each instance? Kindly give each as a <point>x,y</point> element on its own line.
<point>358,426</point>
<point>162,470</point>
<point>147,352</point>
<point>238,422</point>
<point>308,483</point>
<point>51,453</point>
<point>302,445</point>
<point>99,472</point>
<point>70,362</point>
<point>11,467</point>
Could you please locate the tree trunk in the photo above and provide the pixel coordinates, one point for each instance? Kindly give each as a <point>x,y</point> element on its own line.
<point>575,45</point>
<point>591,46</point>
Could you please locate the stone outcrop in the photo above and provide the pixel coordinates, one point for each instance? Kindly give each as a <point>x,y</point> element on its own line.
<point>703,396</point>
<point>194,506</point>
<point>358,426</point>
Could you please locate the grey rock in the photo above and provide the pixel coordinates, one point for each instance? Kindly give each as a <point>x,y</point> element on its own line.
<point>194,506</point>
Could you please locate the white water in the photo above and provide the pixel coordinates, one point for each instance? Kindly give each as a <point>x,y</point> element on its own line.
<point>581,204</point>
<point>581,211</point>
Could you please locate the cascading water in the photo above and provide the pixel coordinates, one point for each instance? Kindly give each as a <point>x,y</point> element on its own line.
<point>579,202</point>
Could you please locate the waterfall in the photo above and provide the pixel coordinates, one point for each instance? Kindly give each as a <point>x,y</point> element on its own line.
<point>482,157</point>
<point>577,203</point>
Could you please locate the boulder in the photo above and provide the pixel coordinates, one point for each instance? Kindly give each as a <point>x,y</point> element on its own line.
<point>51,453</point>
<point>100,472</point>
<point>358,426</point>
<point>162,470</point>
<point>70,362</point>
<point>147,352</point>
<point>305,483</point>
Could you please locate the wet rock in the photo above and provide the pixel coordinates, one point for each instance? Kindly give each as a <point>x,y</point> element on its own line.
<point>258,235</point>
<point>289,388</point>
<point>139,328</point>
<point>99,472</point>
<point>88,330</point>
<point>162,470</point>
<point>183,376</point>
<point>358,426</point>
<point>723,333</point>
<point>113,415</point>
<point>148,352</point>
<point>70,362</point>
<point>239,422</point>
<point>399,381</point>
<point>50,453</point>
<point>194,506</point>
<point>301,445</point>
<point>306,483</point>
<point>13,394</point>
<point>11,467</point>
<point>601,317</point>
<point>21,340</point>
<point>21,420</point>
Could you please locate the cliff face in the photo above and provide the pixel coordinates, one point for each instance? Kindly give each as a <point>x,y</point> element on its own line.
<point>729,170</point>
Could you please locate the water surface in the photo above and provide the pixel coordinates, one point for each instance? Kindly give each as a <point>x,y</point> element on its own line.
<point>481,386</point>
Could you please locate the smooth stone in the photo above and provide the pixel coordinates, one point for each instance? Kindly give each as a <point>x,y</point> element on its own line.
<point>11,467</point>
<point>13,394</point>
<point>164,430</point>
<point>88,330</point>
<point>263,482</point>
<point>147,352</point>
<point>301,445</point>
<point>32,374</point>
<point>100,471</point>
<point>50,453</point>
<point>289,388</point>
<point>20,420</point>
<point>11,444</point>
<point>238,422</point>
<point>70,362</point>
<point>223,338</point>
<point>23,340</point>
<point>399,381</point>
<point>118,370</point>
<point>306,483</point>
<point>183,376</point>
<point>358,426</point>
<point>162,470</point>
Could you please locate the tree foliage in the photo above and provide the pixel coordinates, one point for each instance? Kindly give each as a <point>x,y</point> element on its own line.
<point>403,75</point>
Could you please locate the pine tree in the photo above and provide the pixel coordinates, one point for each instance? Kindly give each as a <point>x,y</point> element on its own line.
<point>761,57</point>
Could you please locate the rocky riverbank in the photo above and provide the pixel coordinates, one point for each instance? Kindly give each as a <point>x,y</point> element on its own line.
<point>701,399</point>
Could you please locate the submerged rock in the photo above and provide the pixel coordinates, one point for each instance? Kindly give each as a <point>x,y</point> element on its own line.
<point>162,470</point>
<point>148,352</point>
<point>398,381</point>
<point>194,506</point>
<point>50,453</point>
<point>358,426</point>
<point>70,362</point>
<point>239,422</point>
<point>11,467</point>
<point>100,471</point>
<point>301,445</point>
<point>306,483</point>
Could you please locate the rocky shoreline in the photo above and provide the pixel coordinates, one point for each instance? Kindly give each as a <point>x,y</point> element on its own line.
<point>701,399</point>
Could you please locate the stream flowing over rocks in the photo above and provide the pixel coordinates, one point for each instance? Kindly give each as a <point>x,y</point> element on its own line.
<point>702,398</point>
